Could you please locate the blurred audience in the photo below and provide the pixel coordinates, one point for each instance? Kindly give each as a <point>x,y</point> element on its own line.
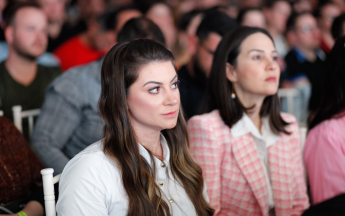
<point>19,174</point>
<point>58,29</point>
<point>340,4</point>
<point>324,152</point>
<point>162,15</point>
<point>123,15</point>
<point>300,6</point>
<point>193,76</point>
<point>277,13</point>
<point>250,3</point>
<point>22,80</point>
<point>327,13</point>
<point>252,17</point>
<point>95,42</point>
<point>70,119</point>
<point>3,4</point>
<point>305,62</point>
<point>187,27</point>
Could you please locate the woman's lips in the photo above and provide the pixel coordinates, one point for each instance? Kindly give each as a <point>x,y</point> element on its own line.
<point>271,79</point>
<point>170,114</point>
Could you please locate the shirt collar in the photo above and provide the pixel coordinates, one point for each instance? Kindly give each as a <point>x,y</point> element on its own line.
<point>245,126</point>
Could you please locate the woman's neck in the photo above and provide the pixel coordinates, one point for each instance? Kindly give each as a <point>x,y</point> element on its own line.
<point>250,101</point>
<point>151,140</point>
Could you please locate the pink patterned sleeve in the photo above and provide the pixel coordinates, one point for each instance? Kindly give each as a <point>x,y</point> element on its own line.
<point>204,148</point>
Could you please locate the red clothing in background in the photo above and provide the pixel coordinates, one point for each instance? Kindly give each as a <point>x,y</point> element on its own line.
<point>74,52</point>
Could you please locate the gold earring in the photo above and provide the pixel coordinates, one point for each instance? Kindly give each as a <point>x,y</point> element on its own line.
<point>233,95</point>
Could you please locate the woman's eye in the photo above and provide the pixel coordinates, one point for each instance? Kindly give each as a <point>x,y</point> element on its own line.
<point>154,90</point>
<point>175,84</point>
<point>275,58</point>
<point>257,57</point>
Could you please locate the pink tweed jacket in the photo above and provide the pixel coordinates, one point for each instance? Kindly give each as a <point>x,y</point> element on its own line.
<point>235,178</point>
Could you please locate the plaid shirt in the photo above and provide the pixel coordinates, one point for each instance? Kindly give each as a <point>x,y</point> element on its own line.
<point>235,178</point>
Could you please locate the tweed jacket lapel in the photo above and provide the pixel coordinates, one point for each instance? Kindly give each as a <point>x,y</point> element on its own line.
<point>278,158</point>
<point>246,155</point>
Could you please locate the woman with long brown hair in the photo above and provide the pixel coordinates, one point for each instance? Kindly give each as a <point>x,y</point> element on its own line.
<point>142,166</point>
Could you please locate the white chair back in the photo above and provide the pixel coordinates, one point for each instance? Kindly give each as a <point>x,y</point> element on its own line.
<point>289,94</point>
<point>18,116</point>
<point>1,113</point>
<point>48,190</point>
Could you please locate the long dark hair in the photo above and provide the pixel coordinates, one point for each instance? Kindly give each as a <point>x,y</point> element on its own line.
<point>220,88</point>
<point>119,71</point>
<point>333,101</point>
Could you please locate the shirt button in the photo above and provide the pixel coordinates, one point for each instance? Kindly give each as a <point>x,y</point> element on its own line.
<point>160,184</point>
<point>171,201</point>
<point>163,165</point>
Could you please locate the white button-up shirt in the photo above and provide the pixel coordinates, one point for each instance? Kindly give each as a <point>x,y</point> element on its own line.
<point>263,141</point>
<point>91,184</point>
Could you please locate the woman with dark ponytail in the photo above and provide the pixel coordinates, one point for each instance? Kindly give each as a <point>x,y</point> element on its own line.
<point>142,167</point>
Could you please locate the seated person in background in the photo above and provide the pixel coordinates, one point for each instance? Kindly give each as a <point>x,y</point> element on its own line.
<point>70,119</point>
<point>46,59</point>
<point>162,15</point>
<point>94,43</point>
<point>187,26</point>
<point>142,166</point>
<point>327,13</point>
<point>277,13</point>
<point>248,150</point>
<point>59,30</point>
<point>305,63</point>
<point>252,17</point>
<point>19,172</point>
<point>193,76</point>
<point>324,151</point>
<point>22,80</point>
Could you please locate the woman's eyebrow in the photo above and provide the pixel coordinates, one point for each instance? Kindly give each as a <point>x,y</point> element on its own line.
<point>159,83</point>
<point>259,50</point>
<point>173,78</point>
<point>154,82</point>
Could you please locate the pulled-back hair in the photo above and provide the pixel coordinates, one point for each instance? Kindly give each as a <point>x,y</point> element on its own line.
<point>220,88</point>
<point>119,71</point>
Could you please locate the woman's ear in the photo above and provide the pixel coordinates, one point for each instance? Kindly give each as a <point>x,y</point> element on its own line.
<point>230,72</point>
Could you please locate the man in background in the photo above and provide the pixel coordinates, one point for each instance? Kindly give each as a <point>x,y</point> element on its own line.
<point>22,80</point>
<point>193,76</point>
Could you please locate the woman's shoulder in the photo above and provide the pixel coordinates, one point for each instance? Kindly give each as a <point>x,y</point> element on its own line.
<point>91,163</point>
<point>329,127</point>
<point>211,118</point>
<point>289,118</point>
<point>292,126</point>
